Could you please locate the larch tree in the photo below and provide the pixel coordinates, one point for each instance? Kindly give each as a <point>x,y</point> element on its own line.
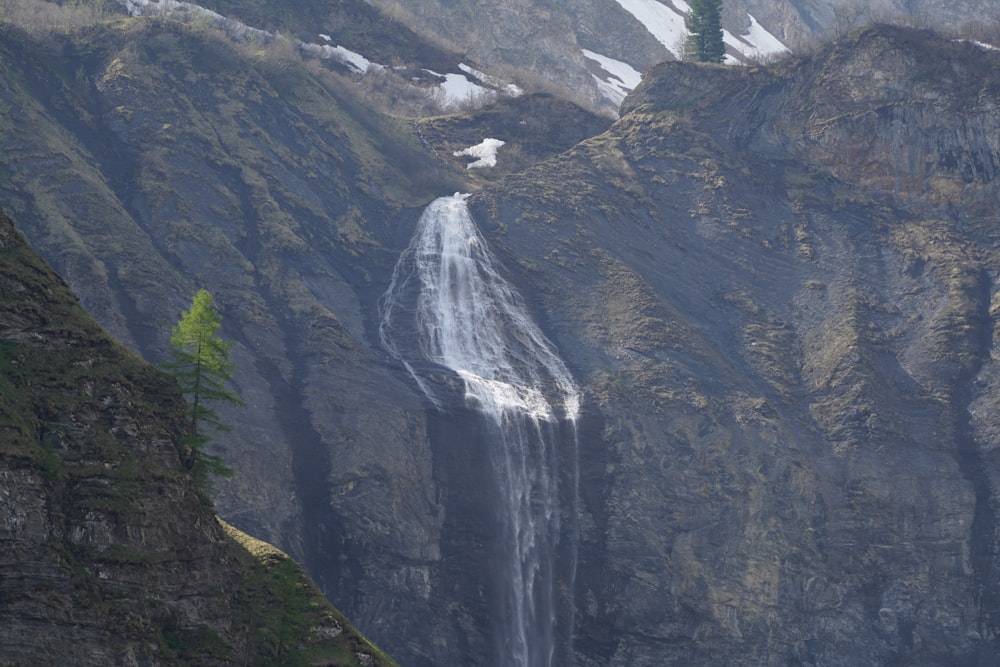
<point>704,25</point>
<point>200,363</point>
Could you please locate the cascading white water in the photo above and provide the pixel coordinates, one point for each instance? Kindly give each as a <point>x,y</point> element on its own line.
<point>448,301</point>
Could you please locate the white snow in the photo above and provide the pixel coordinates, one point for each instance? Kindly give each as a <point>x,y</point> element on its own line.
<point>485,151</point>
<point>510,89</point>
<point>764,40</point>
<point>757,43</point>
<point>187,10</point>
<point>355,61</point>
<point>469,69</point>
<point>457,88</point>
<point>982,45</point>
<point>325,38</point>
<point>621,77</point>
<point>664,23</point>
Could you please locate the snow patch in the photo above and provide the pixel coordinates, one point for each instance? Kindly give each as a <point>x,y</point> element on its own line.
<point>509,89</point>
<point>757,43</point>
<point>620,80</point>
<point>485,151</point>
<point>355,61</point>
<point>664,23</point>
<point>982,45</point>
<point>457,89</point>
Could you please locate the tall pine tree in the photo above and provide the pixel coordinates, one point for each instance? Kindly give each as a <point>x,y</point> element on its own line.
<point>200,363</point>
<point>704,25</point>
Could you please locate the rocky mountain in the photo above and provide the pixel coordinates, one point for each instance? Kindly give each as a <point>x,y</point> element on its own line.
<point>777,287</point>
<point>772,289</point>
<point>111,554</point>
<point>267,180</point>
<point>591,51</point>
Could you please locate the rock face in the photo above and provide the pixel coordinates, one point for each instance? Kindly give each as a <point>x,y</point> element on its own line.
<point>110,554</point>
<point>552,45</point>
<point>775,286</point>
<point>549,38</point>
<point>164,160</point>
<point>778,286</point>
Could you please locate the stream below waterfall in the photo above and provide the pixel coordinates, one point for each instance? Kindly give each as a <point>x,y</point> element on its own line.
<point>449,306</point>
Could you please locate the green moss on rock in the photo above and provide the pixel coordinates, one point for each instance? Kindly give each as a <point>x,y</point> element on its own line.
<point>108,547</point>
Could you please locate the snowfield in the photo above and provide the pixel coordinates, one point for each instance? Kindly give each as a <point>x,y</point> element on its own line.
<point>664,23</point>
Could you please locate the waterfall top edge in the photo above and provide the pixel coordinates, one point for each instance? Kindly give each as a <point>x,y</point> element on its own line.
<point>470,320</point>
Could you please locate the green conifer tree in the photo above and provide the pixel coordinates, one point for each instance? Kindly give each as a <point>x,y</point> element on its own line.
<point>704,25</point>
<point>200,363</point>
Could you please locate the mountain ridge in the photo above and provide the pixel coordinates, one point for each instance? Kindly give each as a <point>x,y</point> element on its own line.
<point>112,554</point>
<point>267,180</point>
<point>787,442</point>
<point>795,334</point>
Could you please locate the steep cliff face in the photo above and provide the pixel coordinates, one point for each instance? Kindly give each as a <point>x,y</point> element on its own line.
<point>145,159</point>
<point>851,111</point>
<point>110,554</point>
<point>193,192</point>
<point>775,286</point>
<point>786,332</point>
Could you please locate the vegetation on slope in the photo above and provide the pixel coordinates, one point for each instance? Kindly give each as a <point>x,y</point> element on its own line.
<point>771,339</point>
<point>288,620</point>
<point>354,24</point>
<point>146,158</point>
<point>779,286</point>
<point>102,527</point>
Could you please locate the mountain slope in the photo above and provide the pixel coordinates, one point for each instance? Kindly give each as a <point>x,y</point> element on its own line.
<point>145,158</point>
<point>111,555</point>
<point>590,49</point>
<point>778,288</point>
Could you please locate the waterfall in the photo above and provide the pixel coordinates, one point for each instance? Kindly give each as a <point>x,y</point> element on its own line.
<point>448,306</point>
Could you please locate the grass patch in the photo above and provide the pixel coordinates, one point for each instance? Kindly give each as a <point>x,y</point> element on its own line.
<point>194,646</point>
<point>288,621</point>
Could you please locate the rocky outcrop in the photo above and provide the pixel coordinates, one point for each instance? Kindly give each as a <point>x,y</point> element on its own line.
<point>547,38</point>
<point>787,337</point>
<point>168,161</point>
<point>852,110</point>
<point>776,287</point>
<point>109,553</point>
<point>541,43</point>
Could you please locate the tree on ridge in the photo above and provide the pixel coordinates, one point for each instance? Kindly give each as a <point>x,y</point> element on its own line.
<point>200,364</point>
<point>704,23</point>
